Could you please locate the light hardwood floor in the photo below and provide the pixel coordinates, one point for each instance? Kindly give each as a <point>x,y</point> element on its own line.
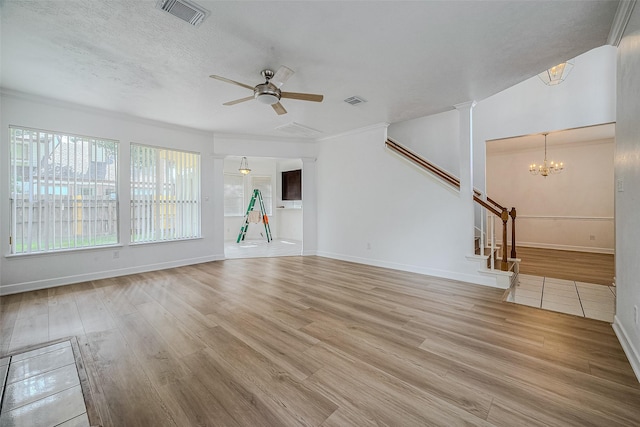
<point>313,341</point>
<point>568,265</point>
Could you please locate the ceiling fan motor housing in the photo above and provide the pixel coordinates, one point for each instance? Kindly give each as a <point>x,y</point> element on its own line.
<point>267,93</point>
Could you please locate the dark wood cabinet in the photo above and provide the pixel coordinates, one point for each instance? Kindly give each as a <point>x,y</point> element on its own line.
<point>292,185</point>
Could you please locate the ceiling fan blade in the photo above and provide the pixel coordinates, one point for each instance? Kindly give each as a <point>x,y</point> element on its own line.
<point>238,101</point>
<point>233,82</point>
<point>302,96</point>
<point>281,76</point>
<point>278,108</point>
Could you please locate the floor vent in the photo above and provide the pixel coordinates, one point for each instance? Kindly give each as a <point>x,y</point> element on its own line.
<point>185,10</point>
<point>354,100</point>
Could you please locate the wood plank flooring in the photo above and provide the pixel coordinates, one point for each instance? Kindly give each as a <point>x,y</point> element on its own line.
<point>568,265</point>
<point>318,342</point>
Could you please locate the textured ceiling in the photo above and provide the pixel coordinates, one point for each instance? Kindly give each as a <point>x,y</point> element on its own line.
<point>407,59</point>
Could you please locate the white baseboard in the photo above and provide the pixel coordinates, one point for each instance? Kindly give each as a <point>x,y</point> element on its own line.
<point>79,278</point>
<point>627,346</point>
<point>445,274</point>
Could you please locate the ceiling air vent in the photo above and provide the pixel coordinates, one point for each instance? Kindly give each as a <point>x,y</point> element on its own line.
<point>185,10</point>
<point>354,100</point>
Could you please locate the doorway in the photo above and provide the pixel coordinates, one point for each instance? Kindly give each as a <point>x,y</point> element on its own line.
<point>565,221</point>
<point>284,217</point>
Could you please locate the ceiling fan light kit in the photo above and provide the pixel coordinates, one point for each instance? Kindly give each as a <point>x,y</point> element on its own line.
<point>269,92</point>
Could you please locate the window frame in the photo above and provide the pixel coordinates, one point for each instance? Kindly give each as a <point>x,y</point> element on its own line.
<point>268,206</point>
<point>243,201</point>
<point>57,184</point>
<point>157,222</point>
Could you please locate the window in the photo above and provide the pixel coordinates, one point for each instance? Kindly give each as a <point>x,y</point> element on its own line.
<point>233,195</point>
<point>63,191</point>
<point>263,183</point>
<point>165,194</point>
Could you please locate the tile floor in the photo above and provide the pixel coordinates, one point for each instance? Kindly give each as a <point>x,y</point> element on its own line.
<point>262,248</point>
<point>42,388</point>
<point>565,296</point>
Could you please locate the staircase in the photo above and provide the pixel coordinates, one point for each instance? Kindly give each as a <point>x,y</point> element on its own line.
<point>493,258</point>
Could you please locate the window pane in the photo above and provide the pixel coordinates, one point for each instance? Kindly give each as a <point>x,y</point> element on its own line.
<point>263,183</point>
<point>233,195</point>
<point>63,191</point>
<point>165,194</point>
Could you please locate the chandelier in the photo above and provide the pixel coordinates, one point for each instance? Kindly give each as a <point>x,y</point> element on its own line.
<point>546,168</point>
<point>244,166</point>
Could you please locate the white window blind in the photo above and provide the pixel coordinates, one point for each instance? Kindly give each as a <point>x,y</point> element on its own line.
<point>233,195</point>
<point>165,194</point>
<point>63,191</point>
<point>263,183</point>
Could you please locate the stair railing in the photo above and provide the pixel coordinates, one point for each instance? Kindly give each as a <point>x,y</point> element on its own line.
<point>490,205</point>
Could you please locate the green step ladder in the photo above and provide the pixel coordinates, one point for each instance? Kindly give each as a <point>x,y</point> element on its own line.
<point>257,195</point>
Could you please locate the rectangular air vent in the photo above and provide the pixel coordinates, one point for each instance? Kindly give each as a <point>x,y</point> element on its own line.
<point>354,100</point>
<point>300,130</point>
<point>185,10</point>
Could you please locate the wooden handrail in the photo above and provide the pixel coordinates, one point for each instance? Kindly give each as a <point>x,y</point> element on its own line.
<point>489,204</point>
<point>494,203</point>
<point>489,199</point>
<point>450,179</point>
<point>441,173</point>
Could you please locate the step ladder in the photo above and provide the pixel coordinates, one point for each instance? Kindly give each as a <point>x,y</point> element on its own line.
<point>257,195</point>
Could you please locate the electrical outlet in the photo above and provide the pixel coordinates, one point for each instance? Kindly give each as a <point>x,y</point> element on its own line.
<point>368,245</point>
<point>116,254</point>
<point>592,237</point>
<point>620,185</point>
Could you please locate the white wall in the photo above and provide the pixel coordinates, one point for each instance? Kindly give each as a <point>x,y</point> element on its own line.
<point>435,138</point>
<point>560,211</point>
<point>586,97</point>
<point>25,272</point>
<point>627,204</point>
<point>387,212</point>
<point>289,219</point>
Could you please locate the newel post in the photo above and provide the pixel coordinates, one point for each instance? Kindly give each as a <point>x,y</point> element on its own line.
<point>505,218</point>
<point>513,232</point>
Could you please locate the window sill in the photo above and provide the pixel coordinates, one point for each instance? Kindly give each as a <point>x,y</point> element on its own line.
<point>190,239</point>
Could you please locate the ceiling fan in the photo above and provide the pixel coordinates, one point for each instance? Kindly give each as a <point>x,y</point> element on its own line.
<point>269,92</point>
